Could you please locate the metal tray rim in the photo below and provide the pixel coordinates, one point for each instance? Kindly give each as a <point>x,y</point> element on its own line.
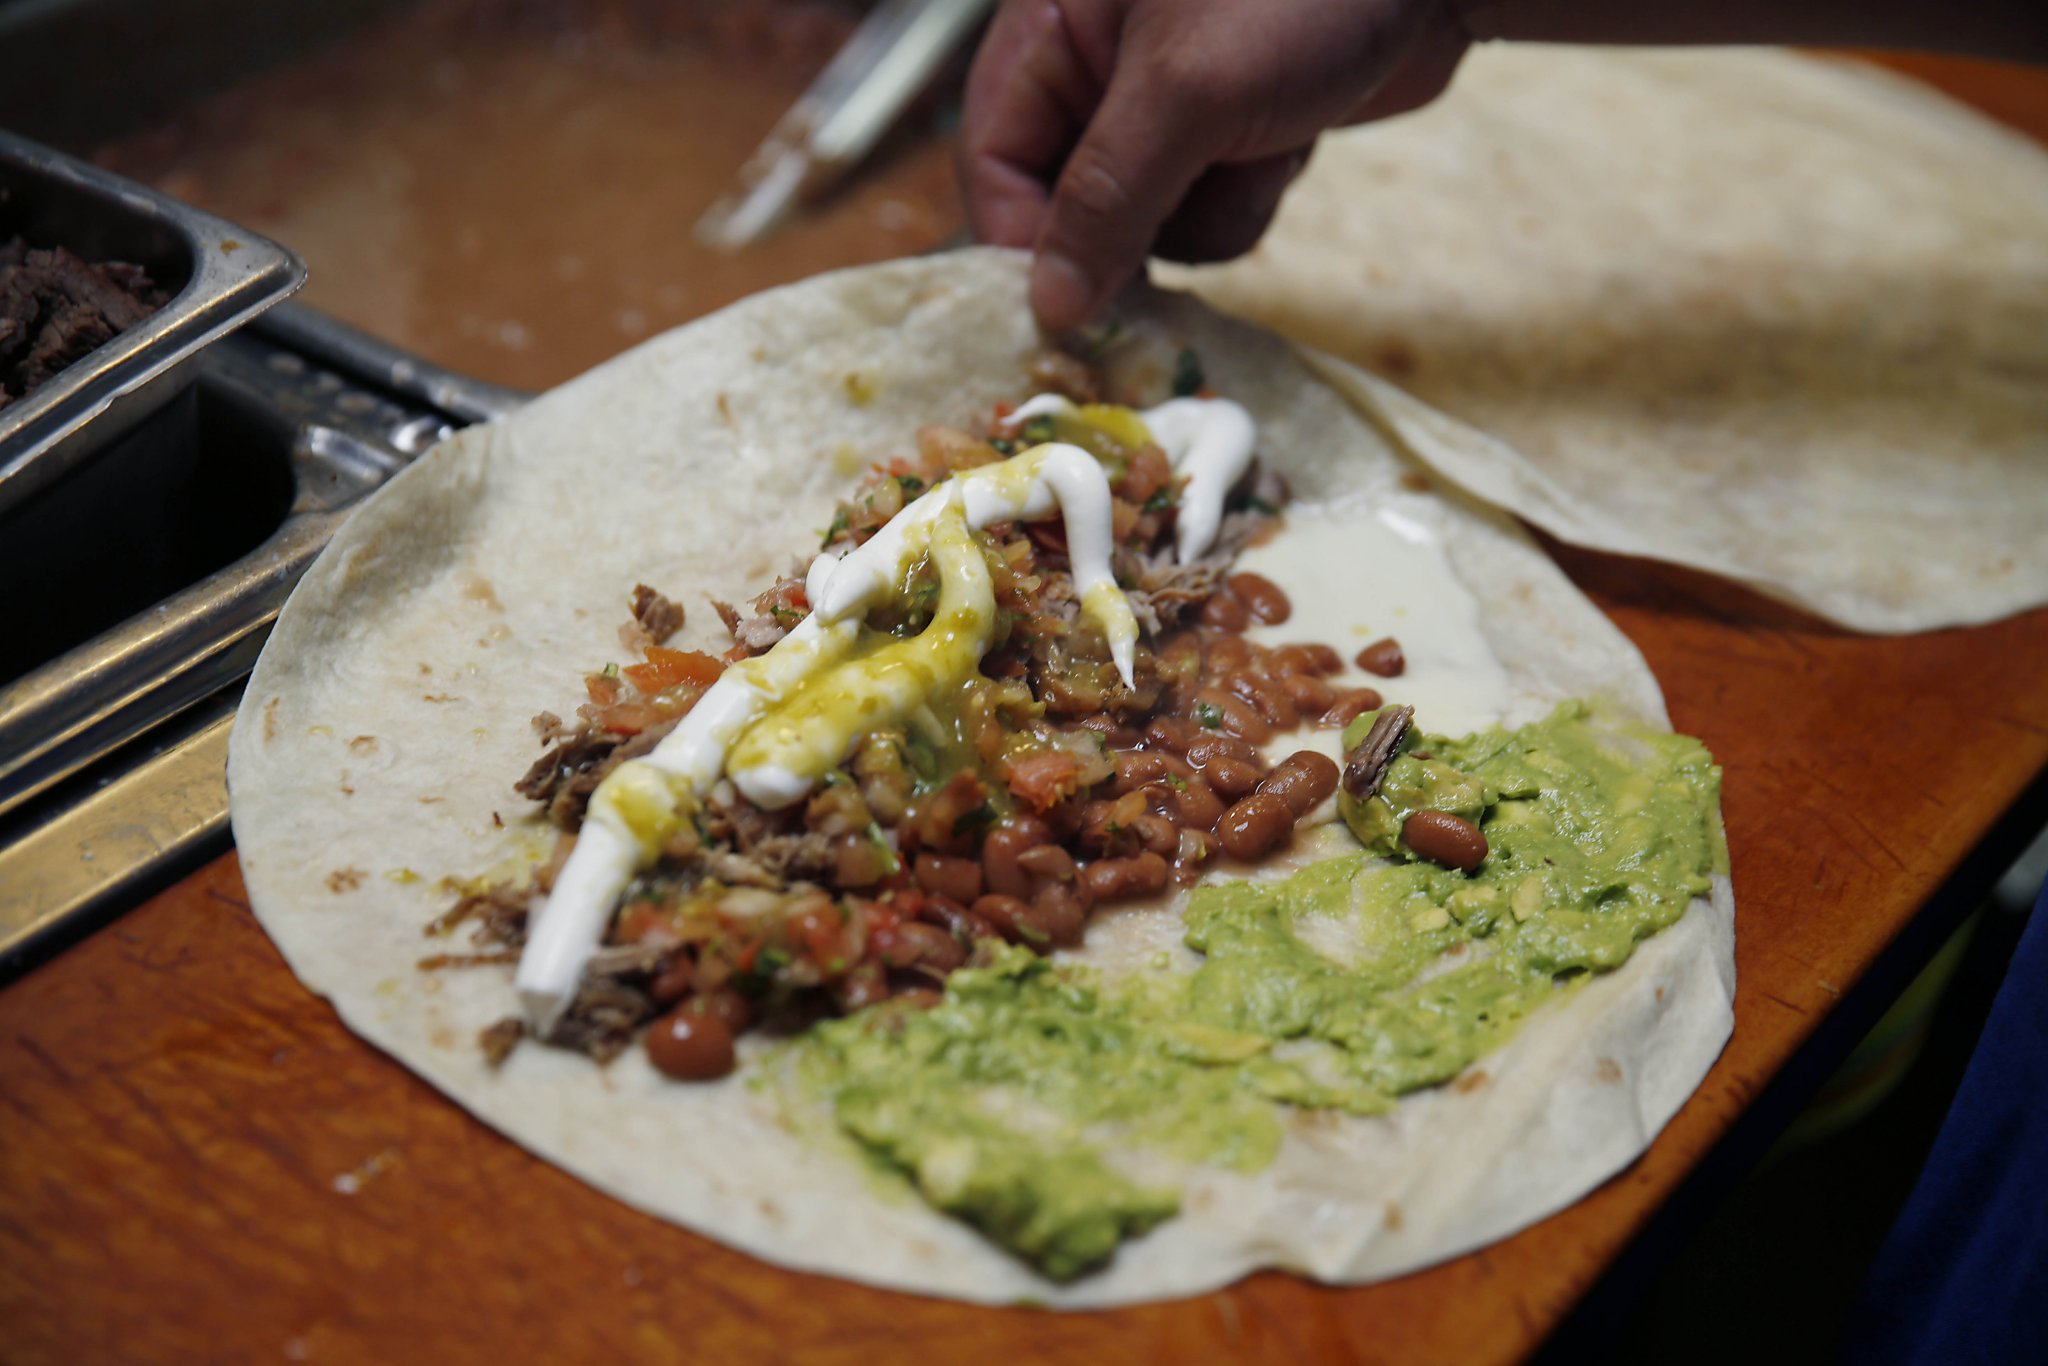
<point>236,275</point>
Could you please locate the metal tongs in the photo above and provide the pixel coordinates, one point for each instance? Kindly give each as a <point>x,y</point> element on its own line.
<point>838,121</point>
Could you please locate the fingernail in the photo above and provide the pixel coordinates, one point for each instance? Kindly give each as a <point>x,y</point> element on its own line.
<point>1060,293</point>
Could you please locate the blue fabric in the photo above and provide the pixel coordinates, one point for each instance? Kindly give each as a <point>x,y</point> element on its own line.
<point>1963,1275</point>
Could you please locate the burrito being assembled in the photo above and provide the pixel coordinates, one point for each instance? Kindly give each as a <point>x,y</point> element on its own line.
<point>1143,833</point>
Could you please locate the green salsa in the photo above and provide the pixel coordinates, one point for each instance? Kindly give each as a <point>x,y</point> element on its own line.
<point>1025,1100</point>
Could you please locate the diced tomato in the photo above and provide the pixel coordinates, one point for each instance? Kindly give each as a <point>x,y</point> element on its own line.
<point>603,688</point>
<point>642,921</point>
<point>666,668</point>
<point>1050,536</point>
<point>1042,778</point>
<point>630,718</point>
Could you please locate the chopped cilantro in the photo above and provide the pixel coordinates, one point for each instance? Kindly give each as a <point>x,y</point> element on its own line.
<point>1161,500</point>
<point>1003,444</point>
<point>1187,374</point>
<point>1176,782</point>
<point>1209,715</point>
<point>610,671</point>
<point>1037,431</point>
<point>774,958</point>
<point>840,523</point>
<point>1261,506</point>
<point>910,484</point>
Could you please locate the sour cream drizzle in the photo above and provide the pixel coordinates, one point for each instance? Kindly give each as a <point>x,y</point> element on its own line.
<point>1209,441</point>
<point>779,722</point>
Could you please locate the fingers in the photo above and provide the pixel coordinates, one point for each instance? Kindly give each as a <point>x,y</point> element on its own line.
<point>1133,165</point>
<point>1029,94</point>
<point>1423,73</point>
<point>1228,209</point>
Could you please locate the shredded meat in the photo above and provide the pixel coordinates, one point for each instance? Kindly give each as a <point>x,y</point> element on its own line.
<point>1366,764</point>
<point>498,1040</point>
<point>567,774</point>
<point>56,307</point>
<point>603,1017</point>
<point>657,616</point>
<point>728,614</point>
<point>1165,591</point>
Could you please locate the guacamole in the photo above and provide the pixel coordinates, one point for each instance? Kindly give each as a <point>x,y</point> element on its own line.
<point>1026,1101</point>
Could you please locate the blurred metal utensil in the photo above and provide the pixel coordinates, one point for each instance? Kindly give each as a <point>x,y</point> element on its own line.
<point>838,121</point>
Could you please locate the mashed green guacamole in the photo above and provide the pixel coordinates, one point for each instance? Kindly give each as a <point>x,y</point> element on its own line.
<point>1024,1102</point>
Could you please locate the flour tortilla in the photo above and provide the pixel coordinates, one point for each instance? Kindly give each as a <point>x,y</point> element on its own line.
<point>1780,318</point>
<point>387,717</point>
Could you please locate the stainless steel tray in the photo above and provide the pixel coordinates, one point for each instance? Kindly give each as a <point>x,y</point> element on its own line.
<point>219,276</point>
<point>112,753</point>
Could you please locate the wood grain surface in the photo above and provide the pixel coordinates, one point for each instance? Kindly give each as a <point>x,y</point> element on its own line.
<point>198,1163</point>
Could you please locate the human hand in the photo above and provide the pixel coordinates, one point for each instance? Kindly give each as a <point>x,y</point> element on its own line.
<point>1098,131</point>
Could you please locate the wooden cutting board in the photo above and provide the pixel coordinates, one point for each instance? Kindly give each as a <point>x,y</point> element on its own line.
<point>198,1163</point>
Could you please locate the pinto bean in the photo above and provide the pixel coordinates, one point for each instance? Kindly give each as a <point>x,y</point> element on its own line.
<point>1193,802</point>
<point>944,875</point>
<point>1225,611</point>
<point>1015,920</point>
<point>1254,825</point>
<point>1118,879</point>
<point>1137,768</point>
<point>1262,597</point>
<point>1234,714</point>
<point>1232,778</point>
<point>1268,698</point>
<point>1048,861</point>
<point>690,1045</point>
<point>1383,657</point>
<point>954,919</point>
<point>1004,846</point>
<point>1444,838</point>
<point>1156,833</point>
<point>1223,651</point>
<point>914,944</point>
<point>1062,912</point>
<point>1349,705</point>
<point>863,986</point>
<point>1114,732</point>
<point>1302,780</point>
<point>1172,733</point>
<point>1308,693</point>
<point>1215,745</point>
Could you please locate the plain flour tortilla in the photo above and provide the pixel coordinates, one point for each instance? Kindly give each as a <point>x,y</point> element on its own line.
<point>1780,318</point>
<point>388,716</point>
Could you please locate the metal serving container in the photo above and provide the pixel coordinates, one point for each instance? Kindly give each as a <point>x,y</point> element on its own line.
<point>219,276</point>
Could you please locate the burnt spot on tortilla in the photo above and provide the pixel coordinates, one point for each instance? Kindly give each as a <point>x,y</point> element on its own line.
<point>432,801</point>
<point>345,880</point>
<point>725,409</point>
<point>1415,481</point>
<point>498,822</point>
<point>1608,1071</point>
<point>439,697</point>
<point>363,744</point>
<point>477,588</point>
<point>270,719</point>
<point>1660,993</point>
<point>1397,359</point>
<point>1471,1081</point>
<point>1393,1218</point>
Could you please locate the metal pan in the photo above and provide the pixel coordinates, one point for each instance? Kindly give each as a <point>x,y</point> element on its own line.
<point>219,275</point>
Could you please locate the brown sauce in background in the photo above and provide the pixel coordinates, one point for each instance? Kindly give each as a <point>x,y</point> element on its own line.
<point>508,188</point>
